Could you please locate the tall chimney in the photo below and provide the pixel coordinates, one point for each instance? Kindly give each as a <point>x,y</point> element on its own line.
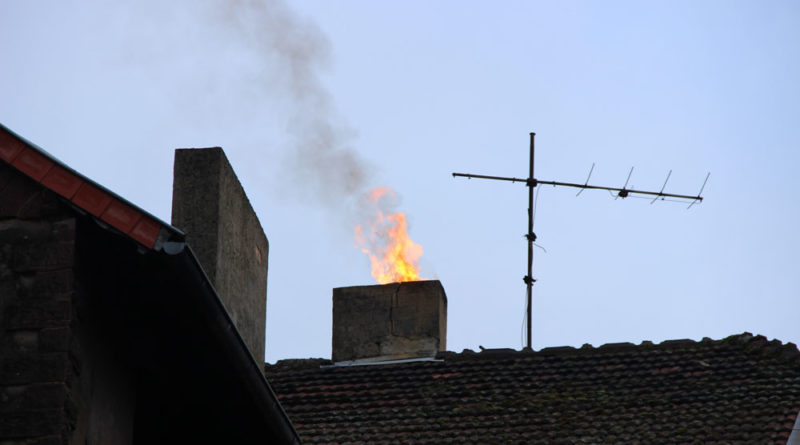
<point>211,207</point>
<point>389,321</point>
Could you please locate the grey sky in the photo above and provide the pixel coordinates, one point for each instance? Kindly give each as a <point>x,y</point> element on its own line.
<point>412,91</point>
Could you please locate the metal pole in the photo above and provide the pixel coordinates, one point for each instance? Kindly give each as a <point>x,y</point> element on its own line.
<point>531,183</point>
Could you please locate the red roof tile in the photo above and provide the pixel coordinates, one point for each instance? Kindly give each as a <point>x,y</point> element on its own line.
<point>10,146</point>
<point>121,216</point>
<point>92,199</point>
<point>146,231</point>
<point>32,163</point>
<point>62,181</point>
<point>83,192</point>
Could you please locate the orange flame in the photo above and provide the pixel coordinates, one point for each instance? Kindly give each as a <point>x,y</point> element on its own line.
<point>394,256</point>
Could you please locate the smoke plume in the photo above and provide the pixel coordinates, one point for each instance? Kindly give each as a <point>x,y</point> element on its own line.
<point>321,162</point>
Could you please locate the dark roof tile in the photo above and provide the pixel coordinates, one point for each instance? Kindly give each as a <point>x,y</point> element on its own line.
<point>742,389</point>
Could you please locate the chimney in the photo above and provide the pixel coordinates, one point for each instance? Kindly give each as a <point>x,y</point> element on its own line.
<point>389,321</point>
<point>210,206</point>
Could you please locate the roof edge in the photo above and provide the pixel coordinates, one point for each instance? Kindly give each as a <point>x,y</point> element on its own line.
<point>109,209</point>
<point>758,344</point>
<point>252,373</point>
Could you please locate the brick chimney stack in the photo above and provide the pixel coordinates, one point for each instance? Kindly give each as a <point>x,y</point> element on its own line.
<point>389,321</point>
<point>211,207</point>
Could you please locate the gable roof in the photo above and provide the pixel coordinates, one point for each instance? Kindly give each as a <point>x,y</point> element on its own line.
<point>165,315</point>
<point>85,194</point>
<point>743,389</point>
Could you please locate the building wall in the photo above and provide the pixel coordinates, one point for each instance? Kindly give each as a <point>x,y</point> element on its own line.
<point>104,342</point>
<point>39,361</point>
<point>55,386</point>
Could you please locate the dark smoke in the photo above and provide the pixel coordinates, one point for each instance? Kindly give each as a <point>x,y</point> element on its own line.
<point>321,162</point>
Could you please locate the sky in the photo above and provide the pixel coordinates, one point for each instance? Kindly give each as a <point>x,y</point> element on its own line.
<point>316,102</point>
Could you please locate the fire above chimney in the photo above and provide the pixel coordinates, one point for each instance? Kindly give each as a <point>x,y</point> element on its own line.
<point>389,321</point>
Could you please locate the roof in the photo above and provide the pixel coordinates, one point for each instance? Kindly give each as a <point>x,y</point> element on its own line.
<point>85,194</point>
<point>742,389</point>
<point>154,279</point>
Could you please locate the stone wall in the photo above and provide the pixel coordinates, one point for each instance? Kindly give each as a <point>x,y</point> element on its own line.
<point>39,364</point>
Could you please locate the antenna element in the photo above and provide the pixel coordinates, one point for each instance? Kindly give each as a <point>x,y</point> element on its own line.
<point>531,182</point>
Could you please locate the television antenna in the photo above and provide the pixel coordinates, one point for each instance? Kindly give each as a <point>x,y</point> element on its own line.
<point>531,182</point>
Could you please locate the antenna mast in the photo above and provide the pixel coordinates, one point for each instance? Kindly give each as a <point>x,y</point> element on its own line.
<point>531,237</point>
<point>531,182</point>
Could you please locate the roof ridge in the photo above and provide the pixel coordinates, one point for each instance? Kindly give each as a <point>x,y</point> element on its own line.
<point>299,363</point>
<point>758,344</point>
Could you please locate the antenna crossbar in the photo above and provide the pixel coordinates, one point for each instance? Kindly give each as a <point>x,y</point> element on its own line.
<point>531,182</point>
<point>582,186</point>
